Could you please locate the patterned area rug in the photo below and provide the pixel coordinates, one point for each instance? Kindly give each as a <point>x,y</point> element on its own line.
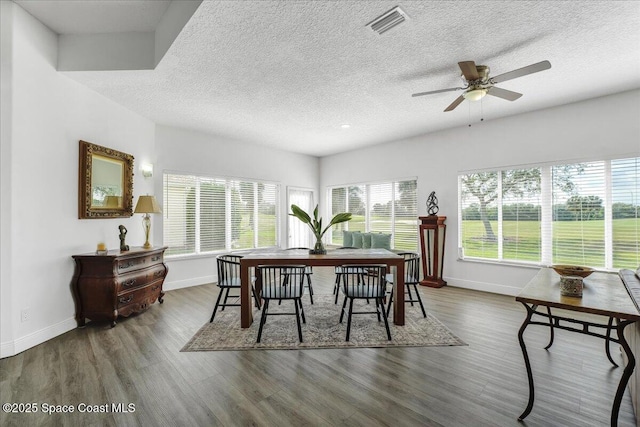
<point>322,329</point>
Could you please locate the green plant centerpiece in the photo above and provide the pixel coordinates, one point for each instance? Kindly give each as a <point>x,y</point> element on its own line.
<point>315,225</point>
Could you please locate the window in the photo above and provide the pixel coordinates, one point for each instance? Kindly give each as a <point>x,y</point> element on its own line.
<point>204,214</point>
<point>582,213</point>
<point>388,207</point>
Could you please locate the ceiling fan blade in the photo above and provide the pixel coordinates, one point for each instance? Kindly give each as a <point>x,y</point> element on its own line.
<point>503,93</point>
<point>469,70</point>
<point>529,69</point>
<point>455,103</point>
<point>437,91</point>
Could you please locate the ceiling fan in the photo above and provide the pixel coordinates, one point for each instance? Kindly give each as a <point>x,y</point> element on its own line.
<point>478,83</point>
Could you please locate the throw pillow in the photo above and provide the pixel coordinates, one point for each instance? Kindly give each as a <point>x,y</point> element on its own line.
<point>357,239</point>
<point>366,240</point>
<point>347,238</point>
<point>381,241</point>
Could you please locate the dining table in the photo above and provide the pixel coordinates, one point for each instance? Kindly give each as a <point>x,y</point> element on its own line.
<point>333,258</point>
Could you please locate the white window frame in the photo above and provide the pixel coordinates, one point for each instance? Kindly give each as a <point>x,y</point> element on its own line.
<point>367,186</point>
<point>228,227</point>
<point>546,220</point>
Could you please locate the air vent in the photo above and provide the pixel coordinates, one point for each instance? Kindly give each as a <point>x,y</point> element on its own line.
<point>388,20</point>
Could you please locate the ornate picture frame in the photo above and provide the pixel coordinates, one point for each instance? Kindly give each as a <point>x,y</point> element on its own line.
<point>105,184</point>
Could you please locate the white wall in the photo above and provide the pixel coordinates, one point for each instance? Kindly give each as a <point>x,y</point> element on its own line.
<point>180,150</point>
<point>49,114</point>
<point>594,129</point>
<point>6,41</point>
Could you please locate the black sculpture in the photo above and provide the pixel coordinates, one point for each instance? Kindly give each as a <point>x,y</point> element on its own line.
<point>123,234</point>
<point>432,204</point>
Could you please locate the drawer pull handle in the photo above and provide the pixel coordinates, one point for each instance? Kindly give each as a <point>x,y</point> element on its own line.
<point>127,265</point>
<point>154,287</point>
<point>156,258</point>
<point>129,283</point>
<point>158,274</point>
<point>124,300</point>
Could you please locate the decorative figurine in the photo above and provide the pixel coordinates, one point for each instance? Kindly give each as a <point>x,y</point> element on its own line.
<point>123,234</point>
<point>432,204</point>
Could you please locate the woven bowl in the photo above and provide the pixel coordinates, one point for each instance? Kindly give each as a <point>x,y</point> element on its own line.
<point>572,270</point>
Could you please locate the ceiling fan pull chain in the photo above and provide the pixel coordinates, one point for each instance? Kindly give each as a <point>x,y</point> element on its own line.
<point>481,110</point>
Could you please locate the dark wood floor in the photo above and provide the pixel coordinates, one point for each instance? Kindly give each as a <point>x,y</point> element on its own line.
<point>482,384</point>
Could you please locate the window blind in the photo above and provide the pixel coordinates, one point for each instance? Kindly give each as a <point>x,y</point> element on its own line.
<point>520,214</point>
<point>206,214</point>
<point>212,215</point>
<point>479,210</point>
<point>578,213</point>
<point>179,232</point>
<point>625,212</point>
<point>380,207</point>
<point>356,204</point>
<point>405,219</point>
<point>388,207</point>
<point>338,198</point>
<point>267,218</point>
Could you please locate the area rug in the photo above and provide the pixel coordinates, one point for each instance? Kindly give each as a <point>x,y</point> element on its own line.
<point>322,329</point>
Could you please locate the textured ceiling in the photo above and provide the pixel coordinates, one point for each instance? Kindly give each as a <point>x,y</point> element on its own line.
<point>289,74</point>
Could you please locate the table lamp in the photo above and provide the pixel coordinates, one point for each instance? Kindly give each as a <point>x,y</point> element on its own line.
<point>147,205</point>
<point>113,202</point>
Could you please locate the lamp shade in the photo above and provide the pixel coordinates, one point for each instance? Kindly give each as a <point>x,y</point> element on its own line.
<point>475,94</point>
<point>113,202</point>
<point>147,204</point>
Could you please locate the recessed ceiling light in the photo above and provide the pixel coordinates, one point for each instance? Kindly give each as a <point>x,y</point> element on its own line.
<point>345,126</point>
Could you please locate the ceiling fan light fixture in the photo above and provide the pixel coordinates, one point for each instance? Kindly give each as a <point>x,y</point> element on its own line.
<point>475,94</point>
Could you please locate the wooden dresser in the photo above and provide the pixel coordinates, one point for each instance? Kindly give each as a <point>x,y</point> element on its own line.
<point>117,284</point>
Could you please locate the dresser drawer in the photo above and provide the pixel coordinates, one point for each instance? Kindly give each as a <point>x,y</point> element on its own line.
<point>139,299</point>
<point>139,278</point>
<point>131,264</point>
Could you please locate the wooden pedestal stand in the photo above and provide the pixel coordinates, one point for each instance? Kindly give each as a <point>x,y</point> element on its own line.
<point>432,237</point>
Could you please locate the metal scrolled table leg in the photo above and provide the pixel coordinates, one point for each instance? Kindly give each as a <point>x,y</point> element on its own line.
<point>527,363</point>
<point>628,370</point>
<point>550,327</point>
<point>606,342</point>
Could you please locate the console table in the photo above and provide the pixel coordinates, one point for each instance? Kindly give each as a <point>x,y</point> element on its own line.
<point>118,283</point>
<point>603,294</point>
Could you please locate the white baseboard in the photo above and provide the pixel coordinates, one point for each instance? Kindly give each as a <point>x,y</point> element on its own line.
<point>11,348</point>
<point>483,286</point>
<point>179,284</point>
<point>21,344</point>
<point>7,349</point>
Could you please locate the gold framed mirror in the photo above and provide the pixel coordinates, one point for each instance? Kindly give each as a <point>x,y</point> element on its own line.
<point>105,187</point>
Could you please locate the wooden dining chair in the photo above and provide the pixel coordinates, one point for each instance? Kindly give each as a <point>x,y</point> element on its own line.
<point>229,278</point>
<point>282,282</point>
<point>308,271</point>
<point>338,273</point>
<point>411,280</point>
<point>365,282</point>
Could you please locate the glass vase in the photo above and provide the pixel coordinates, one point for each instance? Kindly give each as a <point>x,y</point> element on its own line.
<point>318,249</point>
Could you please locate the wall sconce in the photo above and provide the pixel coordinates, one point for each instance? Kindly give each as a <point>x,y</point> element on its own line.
<point>147,170</point>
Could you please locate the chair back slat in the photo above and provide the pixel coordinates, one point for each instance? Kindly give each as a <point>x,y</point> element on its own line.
<point>411,267</point>
<point>364,281</point>
<point>228,270</point>
<point>282,281</point>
